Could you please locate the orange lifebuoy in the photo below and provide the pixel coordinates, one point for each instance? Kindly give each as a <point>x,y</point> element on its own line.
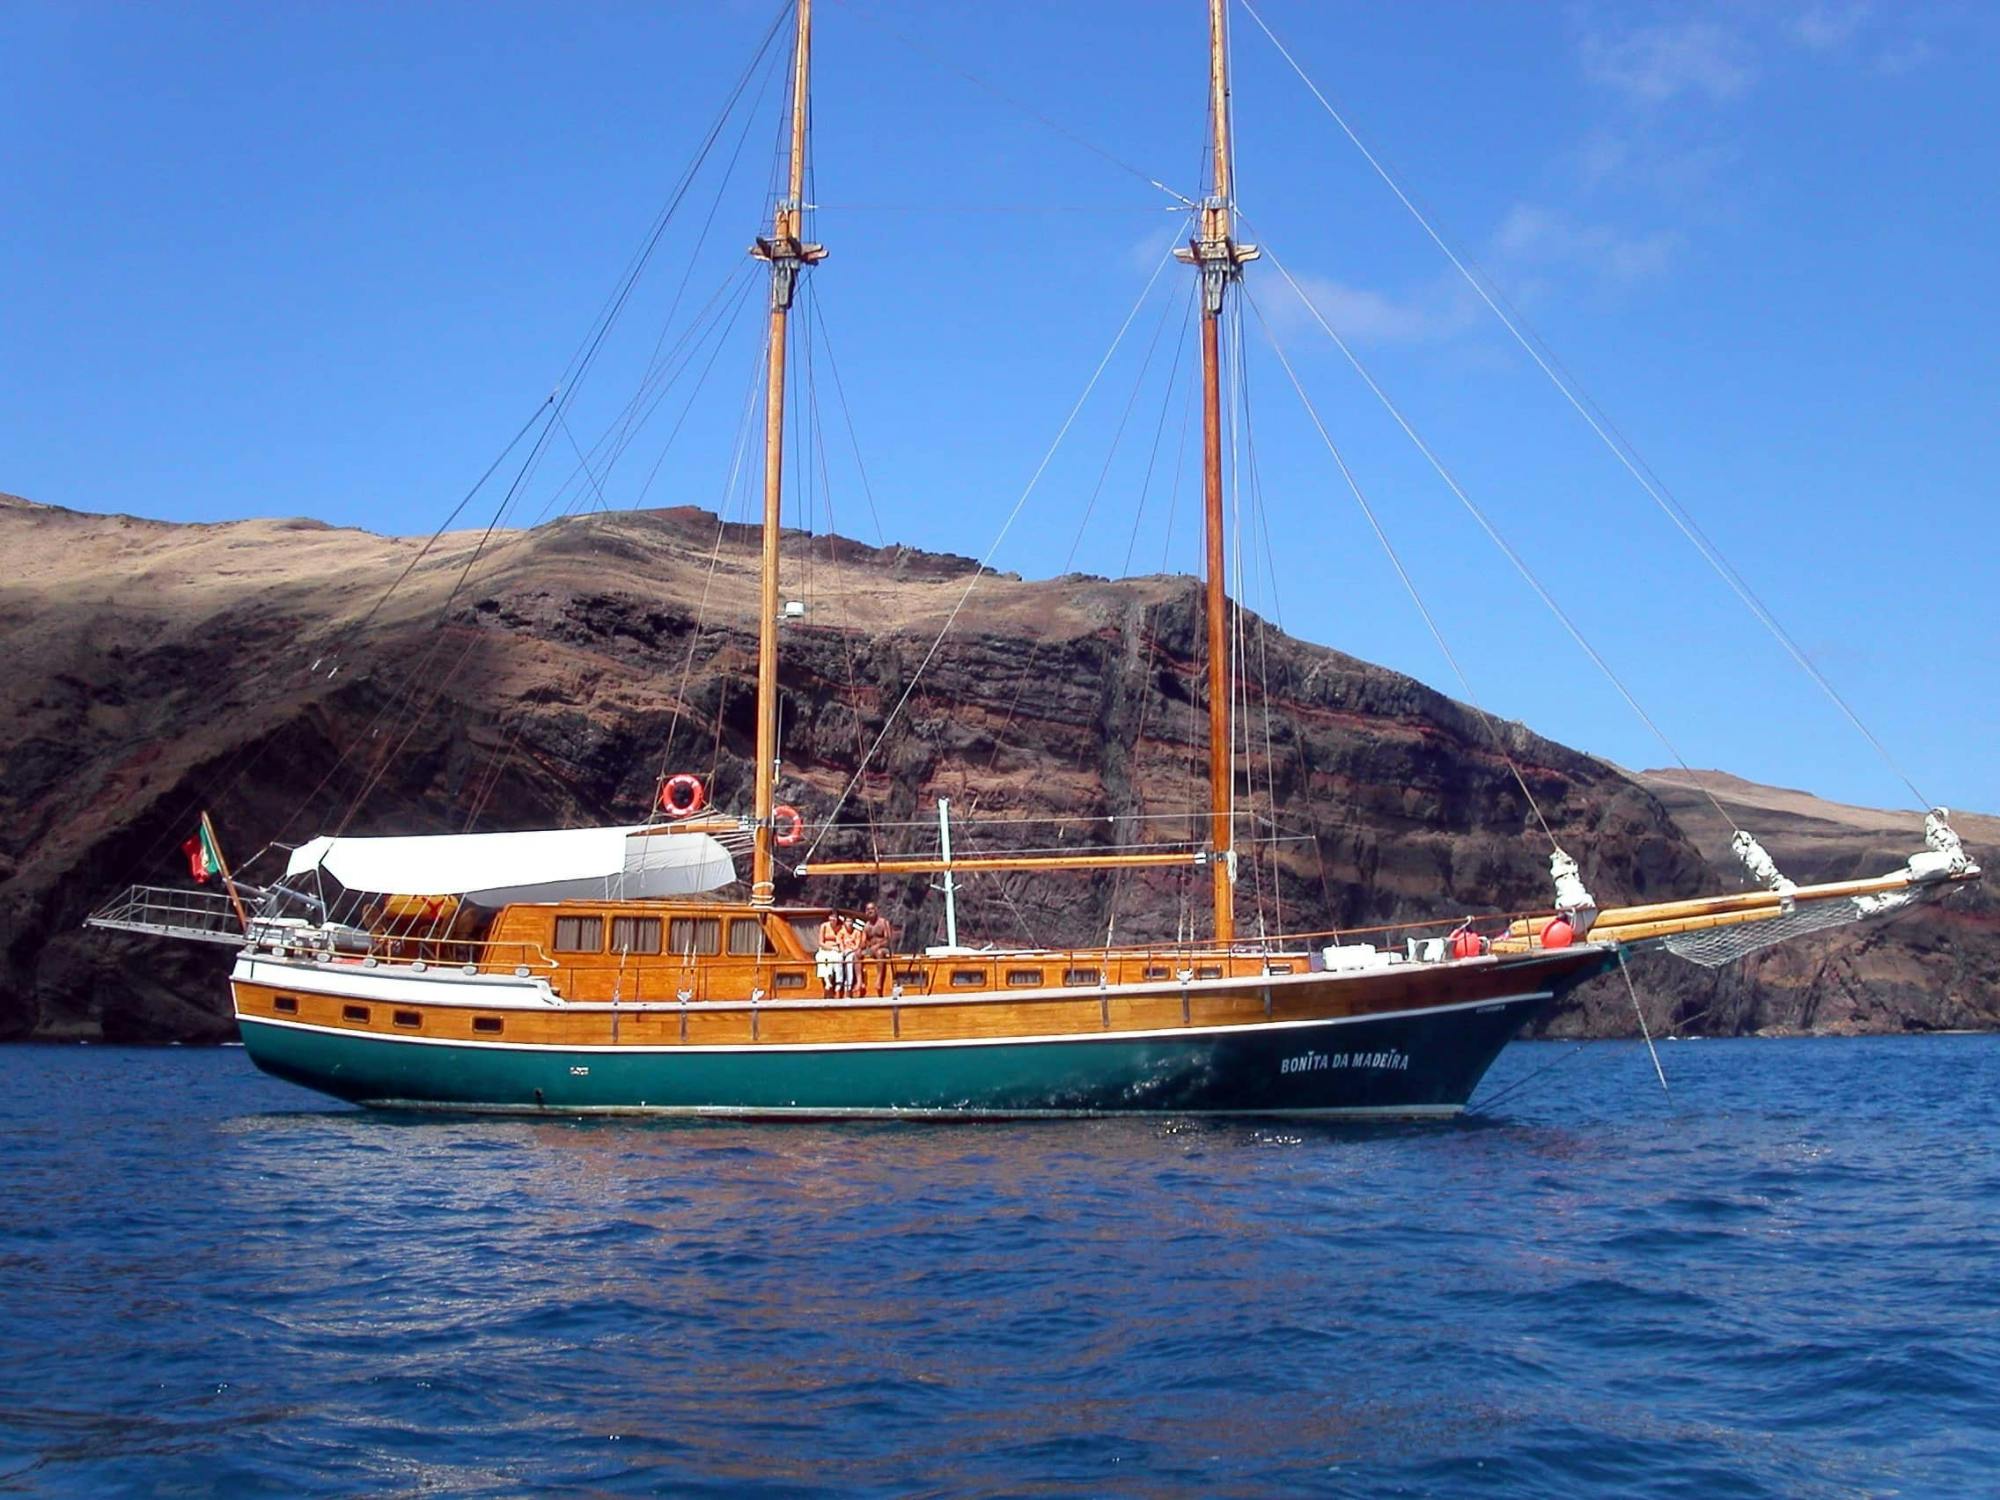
<point>1559,933</point>
<point>682,796</point>
<point>788,827</point>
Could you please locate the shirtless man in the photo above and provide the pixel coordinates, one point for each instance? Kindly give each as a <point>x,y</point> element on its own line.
<point>876,937</point>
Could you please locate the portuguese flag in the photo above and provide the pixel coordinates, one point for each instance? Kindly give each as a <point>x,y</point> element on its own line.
<point>202,859</point>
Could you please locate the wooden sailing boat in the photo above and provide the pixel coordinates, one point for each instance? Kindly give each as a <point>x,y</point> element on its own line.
<point>593,970</point>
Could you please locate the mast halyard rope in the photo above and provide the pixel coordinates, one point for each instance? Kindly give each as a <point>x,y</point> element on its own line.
<point>992,548</point>
<point>1614,441</point>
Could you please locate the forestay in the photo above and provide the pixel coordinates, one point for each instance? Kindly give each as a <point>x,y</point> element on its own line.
<point>491,869</point>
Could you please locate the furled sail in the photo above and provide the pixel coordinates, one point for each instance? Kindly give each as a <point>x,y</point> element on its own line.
<point>491,869</point>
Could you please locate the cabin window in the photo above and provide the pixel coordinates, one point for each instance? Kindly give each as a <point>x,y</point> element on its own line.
<point>408,1018</point>
<point>702,935</point>
<point>354,1013</point>
<point>635,934</point>
<point>1208,971</point>
<point>789,979</point>
<point>1024,976</point>
<point>1080,976</point>
<point>286,1004</point>
<point>1158,971</point>
<point>579,934</point>
<point>1278,969</point>
<point>488,1024</point>
<point>746,937</point>
<point>910,976</point>
<point>968,979</point>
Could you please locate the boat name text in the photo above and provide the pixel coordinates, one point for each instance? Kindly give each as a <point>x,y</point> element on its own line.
<point>1392,1060</point>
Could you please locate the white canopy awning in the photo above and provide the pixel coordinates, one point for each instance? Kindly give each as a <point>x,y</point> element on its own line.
<point>491,869</point>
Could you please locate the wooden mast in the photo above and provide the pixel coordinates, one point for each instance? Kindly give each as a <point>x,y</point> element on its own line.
<point>1218,260</point>
<point>787,256</point>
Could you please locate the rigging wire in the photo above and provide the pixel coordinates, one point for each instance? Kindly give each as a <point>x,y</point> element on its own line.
<point>992,548</point>
<point>847,417</point>
<point>744,428</point>
<point>687,407</point>
<point>1493,533</point>
<point>1403,573</point>
<point>554,408</point>
<point>1619,446</point>
<point>1160,427</point>
<point>1096,492</point>
<point>836,574</point>
<point>422,552</point>
<point>1258,515</point>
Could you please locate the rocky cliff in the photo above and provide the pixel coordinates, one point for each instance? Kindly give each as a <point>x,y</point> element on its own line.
<point>295,678</point>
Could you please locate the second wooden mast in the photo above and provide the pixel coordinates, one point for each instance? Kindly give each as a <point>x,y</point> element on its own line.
<point>1218,260</point>
<point>788,255</point>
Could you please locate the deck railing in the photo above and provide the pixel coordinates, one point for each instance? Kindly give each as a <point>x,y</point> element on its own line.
<point>164,911</point>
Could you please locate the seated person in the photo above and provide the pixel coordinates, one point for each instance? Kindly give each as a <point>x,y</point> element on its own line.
<point>830,961</point>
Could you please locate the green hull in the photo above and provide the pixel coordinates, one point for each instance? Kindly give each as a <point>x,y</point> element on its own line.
<point>1416,1063</point>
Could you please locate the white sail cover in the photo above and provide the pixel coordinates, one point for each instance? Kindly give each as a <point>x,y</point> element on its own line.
<point>491,869</point>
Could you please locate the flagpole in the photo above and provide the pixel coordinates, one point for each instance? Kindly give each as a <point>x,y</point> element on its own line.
<point>228,881</point>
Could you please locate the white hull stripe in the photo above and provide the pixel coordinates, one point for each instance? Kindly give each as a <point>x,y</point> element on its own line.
<point>1245,1028</point>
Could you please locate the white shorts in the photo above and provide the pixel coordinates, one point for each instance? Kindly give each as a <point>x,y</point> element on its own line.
<point>831,964</point>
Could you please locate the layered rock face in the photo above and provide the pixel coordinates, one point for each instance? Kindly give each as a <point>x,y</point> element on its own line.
<point>295,679</point>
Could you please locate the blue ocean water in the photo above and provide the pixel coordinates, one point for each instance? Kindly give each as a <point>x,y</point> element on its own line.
<point>1782,1280</point>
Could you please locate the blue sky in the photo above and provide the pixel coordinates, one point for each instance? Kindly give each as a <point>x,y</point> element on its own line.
<point>324,261</point>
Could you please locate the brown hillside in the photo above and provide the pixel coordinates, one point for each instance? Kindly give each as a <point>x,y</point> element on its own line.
<point>254,668</point>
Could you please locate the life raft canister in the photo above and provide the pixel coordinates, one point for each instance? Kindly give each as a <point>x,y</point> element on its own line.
<point>682,796</point>
<point>1558,933</point>
<point>788,826</point>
